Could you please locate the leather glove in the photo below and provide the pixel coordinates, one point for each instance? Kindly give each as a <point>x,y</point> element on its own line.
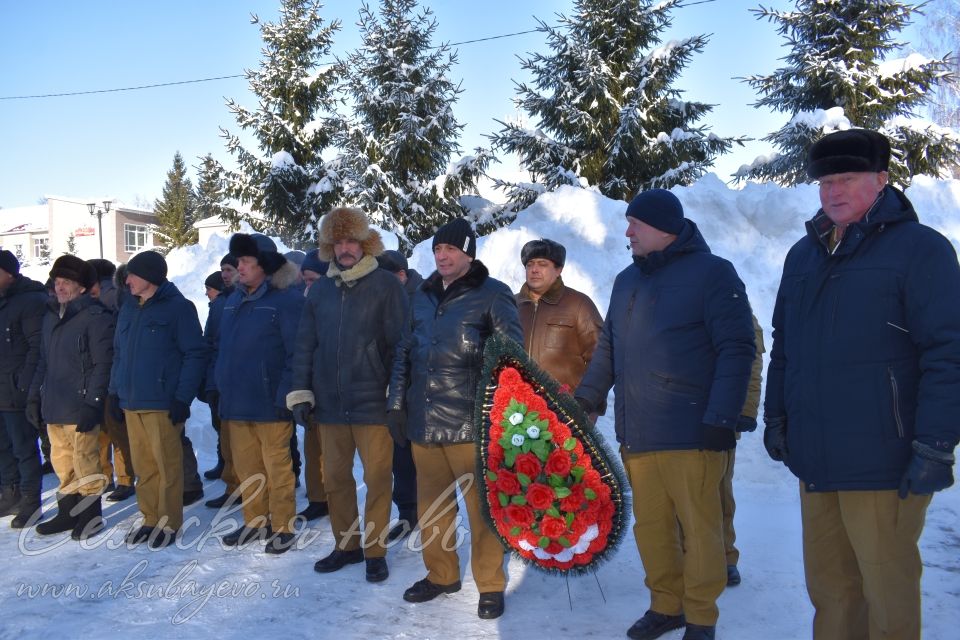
<point>397,423</point>
<point>32,413</point>
<point>930,470</point>
<point>301,414</point>
<point>179,412</point>
<point>746,423</point>
<point>90,417</point>
<point>113,405</point>
<point>585,405</point>
<point>775,438</point>
<point>718,438</point>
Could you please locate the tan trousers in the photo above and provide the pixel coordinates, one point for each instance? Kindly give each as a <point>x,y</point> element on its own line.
<point>862,563</point>
<point>158,458</point>
<point>115,433</point>
<point>76,459</point>
<point>375,446</point>
<point>313,465</point>
<point>261,457</point>
<point>729,507</point>
<point>673,489</point>
<point>439,469</point>
<point>229,474</point>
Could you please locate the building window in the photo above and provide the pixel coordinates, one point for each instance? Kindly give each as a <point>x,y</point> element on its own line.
<point>134,237</point>
<point>40,248</point>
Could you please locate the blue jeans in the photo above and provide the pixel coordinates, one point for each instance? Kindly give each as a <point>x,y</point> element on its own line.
<point>19,453</point>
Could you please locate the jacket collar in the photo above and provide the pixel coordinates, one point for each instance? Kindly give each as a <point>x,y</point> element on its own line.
<point>367,265</point>
<point>890,207</point>
<point>473,278</point>
<point>689,240</point>
<point>551,296</point>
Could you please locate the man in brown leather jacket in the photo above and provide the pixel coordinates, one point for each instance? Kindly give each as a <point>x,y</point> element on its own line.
<point>560,324</point>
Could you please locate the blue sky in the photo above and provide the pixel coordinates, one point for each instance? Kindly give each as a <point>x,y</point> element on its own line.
<point>122,144</point>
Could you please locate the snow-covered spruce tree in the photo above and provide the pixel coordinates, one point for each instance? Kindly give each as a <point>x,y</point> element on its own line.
<point>210,195</point>
<point>837,57</point>
<point>397,146</point>
<point>605,110</point>
<point>175,209</point>
<point>285,180</point>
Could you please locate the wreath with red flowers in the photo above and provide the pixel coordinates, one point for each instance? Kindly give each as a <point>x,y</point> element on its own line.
<point>553,492</point>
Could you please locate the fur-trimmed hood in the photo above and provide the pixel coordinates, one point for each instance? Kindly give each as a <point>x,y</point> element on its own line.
<point>347,223</point>
<point>286,276</point>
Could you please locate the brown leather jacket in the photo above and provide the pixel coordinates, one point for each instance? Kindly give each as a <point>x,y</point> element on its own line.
<point>560,331</point>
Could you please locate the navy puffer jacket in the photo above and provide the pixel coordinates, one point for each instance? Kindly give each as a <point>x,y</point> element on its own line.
<point>22,309</point>
<point>866,348</point>
<point>677,346</point>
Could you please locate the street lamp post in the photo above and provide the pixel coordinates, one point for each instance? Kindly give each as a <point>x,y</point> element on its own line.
<point>94,211</point>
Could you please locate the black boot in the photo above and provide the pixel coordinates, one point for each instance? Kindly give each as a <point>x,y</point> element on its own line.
<point>189,497</point>
<point>314,510</point>
<point>90,520</point>
<point>9,499</point>
<point>28,510</point>
<point>46,467</point>
<point>65,520</point>
<point>215,472</point>
<point>404,527</point>
<point>699,632</point>
<point>121,493</point>
<point>653,625</point>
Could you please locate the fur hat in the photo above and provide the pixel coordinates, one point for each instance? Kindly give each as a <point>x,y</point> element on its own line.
<point>347,223</point>
<point>543,248</point>
<point>231,260</point>
<point>392,261</point>
<point>214,281</point>
<point>459,234</point>
<point>259,246</point>
<point>9,262</point>
<point>848,151</point>
<point>312,263</point>
<point>149,265</point>
<point>104,268</point>
<point>658,208</point>
<point>74,268</point>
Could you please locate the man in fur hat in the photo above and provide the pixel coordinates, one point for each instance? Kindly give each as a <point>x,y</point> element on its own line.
<point>69,389</point>
<point>861,401</point>
<point>256,345</point>
<point>351,325</point>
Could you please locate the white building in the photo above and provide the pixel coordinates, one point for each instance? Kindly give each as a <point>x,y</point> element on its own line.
<point>44,232</point>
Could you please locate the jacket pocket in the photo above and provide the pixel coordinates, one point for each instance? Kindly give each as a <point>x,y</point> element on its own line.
<point>559,334</point>
<point>896,402</point>
<point>375,362</point>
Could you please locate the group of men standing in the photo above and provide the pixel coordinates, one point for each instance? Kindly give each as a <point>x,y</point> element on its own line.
<point>861,399</point>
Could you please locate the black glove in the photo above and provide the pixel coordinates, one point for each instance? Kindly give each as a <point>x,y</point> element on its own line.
<point>212,398</point>
<point>32,413</point>
<point>775,438</point>
<point>746,423</point>
<point>113,405</point>
<point>301,414</point>
<point>284,414</point>
<point>90,417</point>
<point>929,470</point>
<point>179,412</point>
<point>397,423</point>
<point>585,405</point>
<point>718,438</point>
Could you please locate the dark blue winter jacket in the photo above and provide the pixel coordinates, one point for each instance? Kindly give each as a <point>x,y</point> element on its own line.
<point>159,351</point>
<point>257,339</point>
<point>677,345</point>
<point>211,333</point>
<point>866,348</point>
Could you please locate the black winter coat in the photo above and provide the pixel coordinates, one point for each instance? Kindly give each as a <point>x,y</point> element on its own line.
<point>75,357</point>
<point>437,370</point>
<point>677,346</point>
<point>866,348</point>
<point>22,308</point>
<point>345,347</point>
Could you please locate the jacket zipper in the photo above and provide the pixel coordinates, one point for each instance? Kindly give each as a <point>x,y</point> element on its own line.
<point>343,301</point>
<point>896,401</point>
<point>83,368</point>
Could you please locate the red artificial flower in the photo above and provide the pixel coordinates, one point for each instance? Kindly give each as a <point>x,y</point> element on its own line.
<point>554,547</point>
<point>558,462</point>
<point>509,375</point>
<point>519,515</point>
<point>529,464</point>
<point>539,496</point>
<point>553,527</point>
<point>573,502</point>
<point>580,523</point>
<point>591,478</point>
<point>508,483</point>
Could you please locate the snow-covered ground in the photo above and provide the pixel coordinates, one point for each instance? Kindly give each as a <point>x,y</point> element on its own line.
<point>200,589</point>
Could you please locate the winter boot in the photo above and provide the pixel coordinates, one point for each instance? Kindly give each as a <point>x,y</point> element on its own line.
<point>315,510</point>
<point>90,519</point>
<point>215,472</point>
<point>9,499</point>
<point>65,520</point>
<point>27,510</point>
<point>404,527</point>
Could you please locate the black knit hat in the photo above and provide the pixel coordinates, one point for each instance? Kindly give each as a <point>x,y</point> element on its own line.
<point>73,268</point>
<point>543,248</point>
<point>459,234</point>
<point>104,268</point>
<point>150,266</point>
<point>392,261</point>
<point>9,262</point>
<point>312,262</point>
<point>214,281</point>
<point>231,260</point>
<point>658,208</point>
<point>259,246</point>
<point>853,150</point>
